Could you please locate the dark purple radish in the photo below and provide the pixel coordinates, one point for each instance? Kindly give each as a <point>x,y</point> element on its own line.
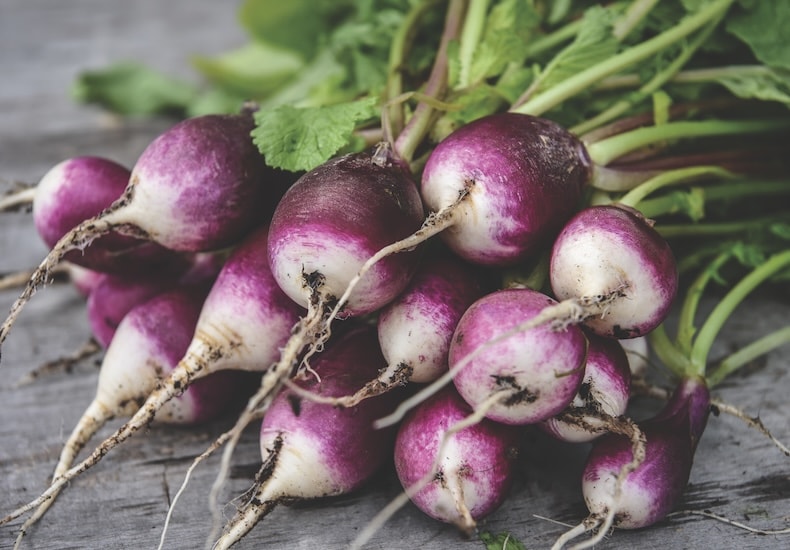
<point>627,498</point>
<point>613,272</point>
<point>520,376</point>
<point>312,450</point>
<point>602,398</point>
<point>84,280</point>
<point>149,343</point>
<point>114,296</point>
<point>471,470</point>
<point>202,185</point>
<point>244,322</point>
<point>415,329</point>
<point>78,189</point>
<point>505,184</point>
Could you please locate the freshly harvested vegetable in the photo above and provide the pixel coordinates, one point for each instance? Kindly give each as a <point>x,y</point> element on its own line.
<point>471,471</point>
<point>523,377</point>
<point>603,395</point>
<point>199,186</point>
<point>312,450</point>
<point>151,340</point>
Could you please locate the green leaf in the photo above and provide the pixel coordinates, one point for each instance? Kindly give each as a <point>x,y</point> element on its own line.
<point>509,28</point>
<point>767,85</point>
<point>253,70</point>
<point>593,43</point>
<point>502,541</point>
<point>133,89</point>
<point>300,139</point>
<point>763,27</point>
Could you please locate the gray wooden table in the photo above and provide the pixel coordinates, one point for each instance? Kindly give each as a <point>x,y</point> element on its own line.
<point>122,502</point>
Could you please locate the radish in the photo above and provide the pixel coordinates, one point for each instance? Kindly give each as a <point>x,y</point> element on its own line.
<point>78,189</point>
<point>613,272</point>
<point>638,352</point>
<point>644,495</point>
<point>150,341</point>
<point>602,398</point>
<point>244,321</point>
<point>535,373</point>
<point>415,329</point>
<point>313,450</point>
<point>114,296</point>
<point>201,185</point>
<point>471,471</point>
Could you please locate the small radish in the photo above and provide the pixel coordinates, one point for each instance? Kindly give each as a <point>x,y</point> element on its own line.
<point>613,271</point>
<point>149,342</point>
<point>619,496</point>
<point>114,296</point>
<point>201,185</point>
<point>472,470</point>
<point>602,398</point>
<point>536,372</point>
<point>415,329</point>
<point>244,321</point>
<point>313,450</point>
<point>78,189</point>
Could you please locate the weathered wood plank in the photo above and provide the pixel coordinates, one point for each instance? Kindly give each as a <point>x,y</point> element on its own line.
<point>122,502</point>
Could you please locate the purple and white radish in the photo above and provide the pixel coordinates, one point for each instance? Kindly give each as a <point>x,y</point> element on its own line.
<point>78,189</point>
<point>114,295</point>
<point>508,183</point>
<point>149,343</point>
<point>244,322</point>
<point>201,185</point>
<point>638,352</point>
<point>415,329</point>
<point>632,498</point>
<point>530,374</point>
<point>471,470</point>
<point>602,398</point>
<point>313,450</point>
<point>613,271</point>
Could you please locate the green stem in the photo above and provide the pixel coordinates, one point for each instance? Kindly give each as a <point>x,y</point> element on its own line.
<point>418,126</point>
<point>672,177</point>
<point>583,80</point>
<point>749,353</point>
<point>547,42</point>
<point>607,150</point>
<point>651,86</point>
<point>399,48</point>
<point>667,352</point>
<point>724,309</point>
<point>470,38</point>
<point>717,229</point>
<point>636,12</point>
<point>691,76</point>
<point>688,311</point>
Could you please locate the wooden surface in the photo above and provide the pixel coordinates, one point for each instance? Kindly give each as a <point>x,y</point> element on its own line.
<point>122,502</point>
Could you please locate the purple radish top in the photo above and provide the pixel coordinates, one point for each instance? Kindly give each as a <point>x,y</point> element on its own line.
<point>477,466</point>
<point>336,217</point>
<point>246,311</point>
<point>416,328</point>
<point>541,367</point>
<point>606,249</point>
<point>329,450</point>
<point>650,492</point>
<point>524,175</point>
<point>605,391</point>
<point>202,184</point>
<point>77,189</point>
<point>149,343</point>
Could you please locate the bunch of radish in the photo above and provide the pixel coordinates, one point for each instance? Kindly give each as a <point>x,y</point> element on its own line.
<point>372,342</point>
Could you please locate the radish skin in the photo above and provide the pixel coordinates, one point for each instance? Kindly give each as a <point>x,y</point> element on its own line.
<point>602,398</point>
<point>151,339</point>
<point>314,450</point>
<point>475,471</point>
<point>200,186</point>
<point>538,371</point>
<point>244,321</point>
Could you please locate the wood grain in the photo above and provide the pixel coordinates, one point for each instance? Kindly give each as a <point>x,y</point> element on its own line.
<point>122,502</point>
